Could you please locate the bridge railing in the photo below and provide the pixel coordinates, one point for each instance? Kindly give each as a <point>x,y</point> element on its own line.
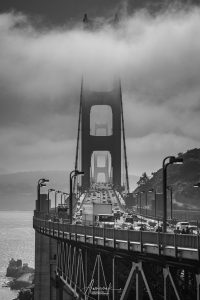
<point>188,241</point>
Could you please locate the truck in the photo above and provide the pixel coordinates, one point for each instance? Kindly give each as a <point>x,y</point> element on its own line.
<point>91,211</point>
<point>105,220</point>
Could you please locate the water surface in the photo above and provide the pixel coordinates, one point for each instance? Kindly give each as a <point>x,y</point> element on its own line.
<point>16,241</point>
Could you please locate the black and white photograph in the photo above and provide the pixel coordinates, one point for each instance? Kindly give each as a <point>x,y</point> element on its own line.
<point>100,149</point>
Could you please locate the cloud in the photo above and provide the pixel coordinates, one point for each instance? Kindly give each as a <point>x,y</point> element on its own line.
<point>156,57</point>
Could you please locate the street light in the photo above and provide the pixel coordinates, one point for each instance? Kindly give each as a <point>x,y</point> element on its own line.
<point>155,197</point>
<point>145,192</point>
<point>72,174</point>
<point>171,160</point>
<point>49,191</point>
<point>41,182</point>
<point>197,185</point>
<point>142,192</point>
<point>137,194</point>
<point>171,193</point>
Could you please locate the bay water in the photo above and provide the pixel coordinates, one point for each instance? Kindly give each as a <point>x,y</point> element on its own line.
<point>16,241</point>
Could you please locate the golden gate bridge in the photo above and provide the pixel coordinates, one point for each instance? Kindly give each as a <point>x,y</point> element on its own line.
<point>85,259</point>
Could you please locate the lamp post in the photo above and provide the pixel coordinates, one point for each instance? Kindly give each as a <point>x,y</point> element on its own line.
<point>72,174</point>
<point>171,204</point>
<point>41,182</point>
<point>155,198</point>
<point>142,192</point>
<point>49,191</point>
<point>137,194</point>
<point>146,200</point>
<point>171,160</point>
<point>197,185</point>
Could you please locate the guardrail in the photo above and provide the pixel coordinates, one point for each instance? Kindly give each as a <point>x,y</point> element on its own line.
<point>185,242</point>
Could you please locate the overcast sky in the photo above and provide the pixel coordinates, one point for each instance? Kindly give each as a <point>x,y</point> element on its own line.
<point>157,59</point>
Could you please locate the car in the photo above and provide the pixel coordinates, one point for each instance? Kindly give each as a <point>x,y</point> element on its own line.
<point>126,226</point>
<point>182,225</point>
<point>152,223</point>
<point>78,222</point>
<point>117,226</point>
<point>129,219</point>
<point>193,229</point>
<point>141,226</point>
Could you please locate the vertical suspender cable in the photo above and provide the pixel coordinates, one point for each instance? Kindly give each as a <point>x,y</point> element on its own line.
<point>78,133</point>
<point>124,142</point>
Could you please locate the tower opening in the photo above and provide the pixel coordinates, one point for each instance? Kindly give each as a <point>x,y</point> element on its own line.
<point>101,167</point>
<point>101,120</point>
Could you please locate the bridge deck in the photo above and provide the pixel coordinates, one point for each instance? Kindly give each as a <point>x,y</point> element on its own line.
<point>156,243</point>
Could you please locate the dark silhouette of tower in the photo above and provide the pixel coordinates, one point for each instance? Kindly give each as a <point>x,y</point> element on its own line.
<point>110,143</point>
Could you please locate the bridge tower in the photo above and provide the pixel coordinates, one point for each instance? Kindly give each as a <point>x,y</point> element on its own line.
<point>111,143</point>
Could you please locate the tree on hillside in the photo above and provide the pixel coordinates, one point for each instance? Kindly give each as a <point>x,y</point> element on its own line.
<point>180,154</point>
<point>143,179</point>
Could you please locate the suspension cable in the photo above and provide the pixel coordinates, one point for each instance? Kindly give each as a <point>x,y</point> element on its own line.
<point>124,141</point>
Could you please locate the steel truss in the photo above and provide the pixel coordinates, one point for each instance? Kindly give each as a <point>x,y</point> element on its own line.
<point>90,274</point>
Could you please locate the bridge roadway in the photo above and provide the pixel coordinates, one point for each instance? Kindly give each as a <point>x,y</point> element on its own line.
<point>103,194</point>
<point>183,246</point>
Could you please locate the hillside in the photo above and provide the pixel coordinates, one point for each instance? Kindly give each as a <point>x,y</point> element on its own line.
<point>181,178</point>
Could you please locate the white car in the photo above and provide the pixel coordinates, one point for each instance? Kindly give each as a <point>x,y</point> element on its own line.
<point>182,225</point>
<point>193,229</point>
<point>141,226</point>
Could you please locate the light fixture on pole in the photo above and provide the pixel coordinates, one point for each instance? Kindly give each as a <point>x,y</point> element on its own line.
<point>146,200</point>
<point>72,174</point>
<point>171,160</point>
<point>137,194</point>
<point>170,189</point>
<point>155,199</point>
<point>41,182</point>
<point>142,192</point>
